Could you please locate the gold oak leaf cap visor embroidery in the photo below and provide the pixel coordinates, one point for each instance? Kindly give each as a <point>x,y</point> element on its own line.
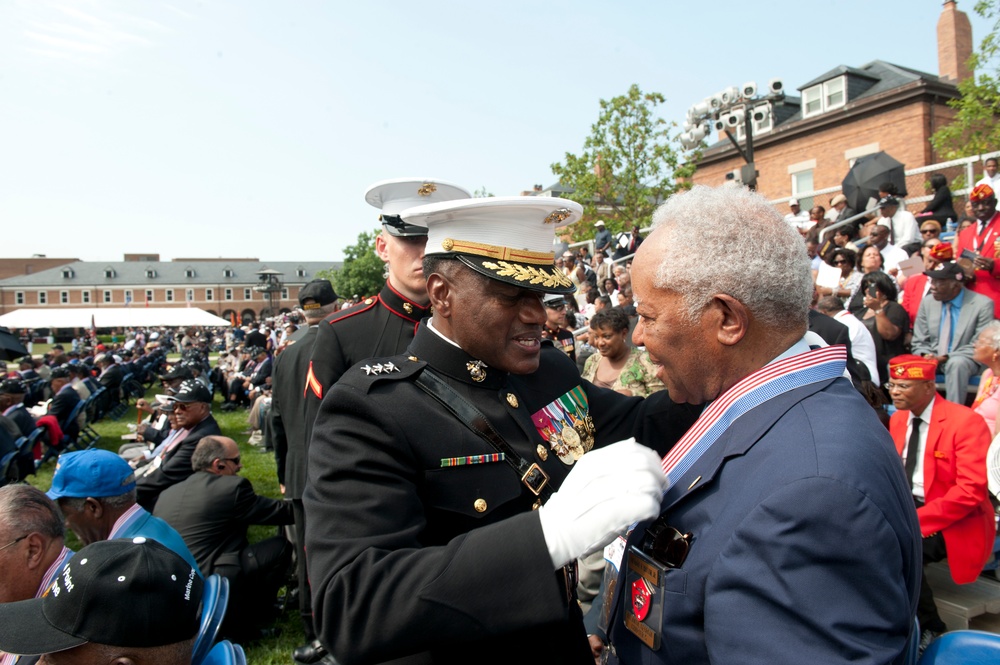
<point>506,238</point>
<point>396,195</point>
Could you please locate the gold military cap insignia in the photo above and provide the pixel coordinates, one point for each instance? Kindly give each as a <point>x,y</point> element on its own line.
<point>427,189</point>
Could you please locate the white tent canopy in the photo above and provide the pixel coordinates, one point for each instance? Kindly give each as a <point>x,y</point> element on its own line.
<point>110,317</point>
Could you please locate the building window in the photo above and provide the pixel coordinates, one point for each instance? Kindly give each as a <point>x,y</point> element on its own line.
<point>802,182</point>
<point>300,272</point>
<point>228,294</point>
<point>107,296</point>
<point>63,297</point>
<point>149,296</point>
<point>43,297</point>
<point>248,294</point>
<point>67,273</point>
<point>189,295</point>
<point>284,293</point>
<point>228,272</point>
<point>209,294</point>
<point>109,273</point>
<point>170,295</point>
<point>824,97</point>
<point>189,272</point>
<point>150,273</point>
<point>19,297</point>
<point>85,295</point>
<point>128,297</point>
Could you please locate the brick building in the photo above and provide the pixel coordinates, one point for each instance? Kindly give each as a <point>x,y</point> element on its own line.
<point>223,287</point>
<point>809,142</point>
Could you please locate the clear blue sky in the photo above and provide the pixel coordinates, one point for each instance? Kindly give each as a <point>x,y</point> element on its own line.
<point>253,127</point>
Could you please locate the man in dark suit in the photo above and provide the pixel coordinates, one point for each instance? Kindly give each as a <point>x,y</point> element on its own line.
<point>212,510</point>
<point>316,299</point>
<point>950,339</point>
<point>111,376</point>
<point>943,446</point>
<point>780,538</point>
<point>193,409</point>
<point>64,400</point>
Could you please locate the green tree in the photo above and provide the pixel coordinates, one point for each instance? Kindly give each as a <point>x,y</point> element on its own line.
<point>975,128</point>
<point>628,166</point>
<point>362,271</point>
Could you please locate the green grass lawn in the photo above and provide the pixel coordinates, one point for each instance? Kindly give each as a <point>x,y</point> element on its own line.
<point>259,468</point>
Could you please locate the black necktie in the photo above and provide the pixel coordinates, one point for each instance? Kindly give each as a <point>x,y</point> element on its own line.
<point>912,449</point>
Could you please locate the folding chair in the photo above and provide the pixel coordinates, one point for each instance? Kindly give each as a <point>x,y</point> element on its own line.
<point>214,599</point>
<point>963,647</point>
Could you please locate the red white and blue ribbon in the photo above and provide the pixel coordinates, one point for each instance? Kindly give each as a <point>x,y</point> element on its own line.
<point>751,391</point>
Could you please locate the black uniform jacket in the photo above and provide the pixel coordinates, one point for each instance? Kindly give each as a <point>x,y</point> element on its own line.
<point>411,557</point>
<point>212,514</point>
<point>288,409</point>
<point>379,326</point>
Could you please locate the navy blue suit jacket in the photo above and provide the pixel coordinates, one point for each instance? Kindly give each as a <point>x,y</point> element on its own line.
<point>805,549</point>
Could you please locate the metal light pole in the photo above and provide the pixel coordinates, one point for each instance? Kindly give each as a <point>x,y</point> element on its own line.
<point>269,283</point>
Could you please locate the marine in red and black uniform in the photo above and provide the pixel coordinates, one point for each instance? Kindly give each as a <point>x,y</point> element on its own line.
<point>382,325</point>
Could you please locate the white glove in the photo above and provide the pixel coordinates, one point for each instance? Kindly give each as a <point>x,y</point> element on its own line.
<point>607,490</point>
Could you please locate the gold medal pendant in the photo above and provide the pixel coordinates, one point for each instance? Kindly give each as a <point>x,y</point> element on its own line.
<point>572,441</point>
<point>560,449</point>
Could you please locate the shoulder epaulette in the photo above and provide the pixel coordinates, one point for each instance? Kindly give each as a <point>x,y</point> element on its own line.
<point>369,372</point>
<point>344,314</point>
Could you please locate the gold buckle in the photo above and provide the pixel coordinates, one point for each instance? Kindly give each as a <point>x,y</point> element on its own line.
<point>535,479</point>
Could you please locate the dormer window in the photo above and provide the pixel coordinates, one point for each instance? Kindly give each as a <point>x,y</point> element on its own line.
<point>150,273</point>
<point>109,273</point>
<point>228,272</point>
<point>67,273</point>
<point>824,97</point>
<point>300,272</point>
<point>189,272</point>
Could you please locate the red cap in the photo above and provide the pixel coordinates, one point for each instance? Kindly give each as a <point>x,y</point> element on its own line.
<point>912,367</point>
<point>981,192</point>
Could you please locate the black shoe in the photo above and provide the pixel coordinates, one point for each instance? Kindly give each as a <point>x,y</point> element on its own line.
<point>309,653</point>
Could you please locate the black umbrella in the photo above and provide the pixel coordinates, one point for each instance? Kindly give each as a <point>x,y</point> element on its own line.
<point>863,180</point>
<point>10,346</point>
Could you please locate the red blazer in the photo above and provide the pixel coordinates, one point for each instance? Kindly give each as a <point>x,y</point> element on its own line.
<point>913,293</point>
<point>986,283</point>
<point>956,498</point>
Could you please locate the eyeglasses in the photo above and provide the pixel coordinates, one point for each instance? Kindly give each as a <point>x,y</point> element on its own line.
<point>556,306</point>
<point>234,460</point>
<point>666,544</point>
<point>840,263</point>
<point>13,542</point>
<point>930,231</point>
<point>902,387</point>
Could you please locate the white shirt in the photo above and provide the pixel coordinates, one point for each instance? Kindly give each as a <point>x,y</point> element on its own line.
<point>862,344</point>
<point>918,470</point>
<point>904,227</point>
<point>892,256</point>
<point>993,182</point>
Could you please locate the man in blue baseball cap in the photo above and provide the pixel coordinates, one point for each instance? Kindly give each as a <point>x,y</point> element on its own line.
<point>95,490</point>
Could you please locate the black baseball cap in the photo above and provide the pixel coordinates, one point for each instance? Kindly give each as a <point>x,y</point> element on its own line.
<point>316,294</point>
<point>191,390</point>
<point>12,387</point>
<point>126,593</point>
<point>950,270</point>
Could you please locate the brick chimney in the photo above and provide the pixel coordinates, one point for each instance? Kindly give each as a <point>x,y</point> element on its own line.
<point>954,37</point>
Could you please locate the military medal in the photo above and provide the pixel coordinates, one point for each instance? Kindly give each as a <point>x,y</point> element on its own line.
<point>567,426</point>
<point>571,438</point>
<point>641,595</point>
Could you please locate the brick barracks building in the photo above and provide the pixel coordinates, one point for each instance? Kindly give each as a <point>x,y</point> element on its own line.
<point>223,287</point>
<point>809,142</point>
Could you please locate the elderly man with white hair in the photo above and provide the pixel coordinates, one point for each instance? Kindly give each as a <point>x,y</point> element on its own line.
<point>787,533</point>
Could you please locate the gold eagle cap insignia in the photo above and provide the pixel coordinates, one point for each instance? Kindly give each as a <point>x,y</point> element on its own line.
<point>427,189</point>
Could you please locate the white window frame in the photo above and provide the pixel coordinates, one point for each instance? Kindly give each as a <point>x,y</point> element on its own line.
<point>228,272</point>
<point>43,297</point>
<point>149,295</point>
<point>820,94</point>
<point>169,294</point>
<point>284,293</point>
<point>248,294</point>
<point>228,294</point>
<point>189,295</point>
<point>18,297</point>
<point>797,188</point>
<point>129,296</point>
<point>109,273</point>
<point>85,297</point>
<point>64,297</point>
<point>107,296</point>
<point>209,294</point>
